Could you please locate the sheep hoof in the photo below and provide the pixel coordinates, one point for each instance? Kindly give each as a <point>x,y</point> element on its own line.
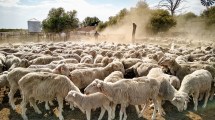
<point>151,106</point>
<point>13,107</point>
<point>39,112</point>
<point>211,98</point>
<point>204,106</point>
<point>140,115</point>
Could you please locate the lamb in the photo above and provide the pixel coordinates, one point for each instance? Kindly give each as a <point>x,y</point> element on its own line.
<point>135,92</point>
<point>88,102</point>
<point>16,74</point>
<point>113,77</point>
<point>44,86</point>
<point>198,82</point>
<point>83,77</point>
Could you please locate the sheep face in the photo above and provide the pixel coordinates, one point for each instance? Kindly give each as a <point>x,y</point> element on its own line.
<point>117,66</point>
<point>24,63</point>
<point>63,70</point>
<point>70,96</point>
<point>165,62</point>
<point>93,87</point>
<point>180,101</point>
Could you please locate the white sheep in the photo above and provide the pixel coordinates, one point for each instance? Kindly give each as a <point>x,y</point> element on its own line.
<point>113,77</point>
<point>88,102</point>
<point>17,73</point>
<point>136,91</point>
<point>198,82</point>
<point>83,77</point>
<point>44,86</point>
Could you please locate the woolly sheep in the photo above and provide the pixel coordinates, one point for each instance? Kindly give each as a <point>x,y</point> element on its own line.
<point>16,74</point>
<point>198,82</point>
<point>113,77</point>
<point>44,60</point>
<point>88,102</point>
<point>83,77</point>
<point>135,92</point>
<point>44,86</point>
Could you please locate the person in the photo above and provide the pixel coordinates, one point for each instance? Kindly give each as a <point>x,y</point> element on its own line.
<point>96,35</point>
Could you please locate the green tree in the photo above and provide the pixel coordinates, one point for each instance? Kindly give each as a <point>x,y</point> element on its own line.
<point>90,21</point>
<point>160,21</point>
<point>209,16</point>
<point>58,20</point>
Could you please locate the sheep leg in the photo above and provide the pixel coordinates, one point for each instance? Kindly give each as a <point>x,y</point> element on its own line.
<point>212,93</point>
<point>195,100</point>
<point>11,97</point>
<point>123,112</point>
<point>51,103</point>
<point>206,98</point>
<point>33,103</point>
<point>113,110</point>
<point>201,96</point>
<point>137,109</point>
<point>47,105</point>
<point>23,107</point>
<point>60,104</point>
<point>143,109</point>
<point>155,108</point>
<point>101,113</point>
<point>88,112</point>
<point>71,106</point>
<point>161,111</point>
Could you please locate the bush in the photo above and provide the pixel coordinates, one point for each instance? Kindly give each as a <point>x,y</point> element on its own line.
<point>209,16</point>
<point>160,21</point>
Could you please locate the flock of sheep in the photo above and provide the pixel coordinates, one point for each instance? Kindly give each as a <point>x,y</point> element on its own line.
<point>102,75</point>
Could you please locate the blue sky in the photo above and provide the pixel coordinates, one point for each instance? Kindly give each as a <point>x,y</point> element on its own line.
<point>16,13</point>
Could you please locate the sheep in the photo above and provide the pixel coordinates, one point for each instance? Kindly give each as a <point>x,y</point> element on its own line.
<point>87,59</point>
<point>83,77</point>
<point>130,62</point>
<point>2,62</point>
<point>167,91</point>
<point>113,77</point>
<point>174,67</point>
<point>11,60</point>
<point>71,60</point>
<point>157,72</point>
<point>136,91</point>
<point>44,60</point>
<point>198,82</point>
<point>44,86</point>
<point>16,74</point>
<point>88,102</point>
<point>139,69</point>
<point>98,59</point>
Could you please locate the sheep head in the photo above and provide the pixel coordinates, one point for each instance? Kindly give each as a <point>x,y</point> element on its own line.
<point>166,61</point>
<point>117,66</point>
<point>180,100</point>
<point>71,95</point>
<point>93,87</point>
<point>63,70</point>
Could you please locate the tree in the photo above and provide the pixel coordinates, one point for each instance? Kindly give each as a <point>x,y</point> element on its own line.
<point>90,21</point>
<point>160,21</point>
<point>58,20</point>
<point>209,16</point>
<point>171,5</point>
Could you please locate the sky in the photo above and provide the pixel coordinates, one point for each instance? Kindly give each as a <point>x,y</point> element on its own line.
<point>16,13</point>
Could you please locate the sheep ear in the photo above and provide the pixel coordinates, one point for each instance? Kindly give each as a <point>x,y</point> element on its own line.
<point>73,94</point>
<point>99,85</point>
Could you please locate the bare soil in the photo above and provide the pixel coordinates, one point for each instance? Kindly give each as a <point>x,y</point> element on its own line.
<point>6,113</point>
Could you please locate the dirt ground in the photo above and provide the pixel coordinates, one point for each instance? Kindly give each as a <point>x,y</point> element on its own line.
<point>6,113</point>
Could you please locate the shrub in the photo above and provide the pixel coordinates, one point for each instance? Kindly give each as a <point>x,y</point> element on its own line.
<point>160,21</point>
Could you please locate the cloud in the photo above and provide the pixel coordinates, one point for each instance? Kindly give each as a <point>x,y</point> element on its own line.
<point>9,3</point>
